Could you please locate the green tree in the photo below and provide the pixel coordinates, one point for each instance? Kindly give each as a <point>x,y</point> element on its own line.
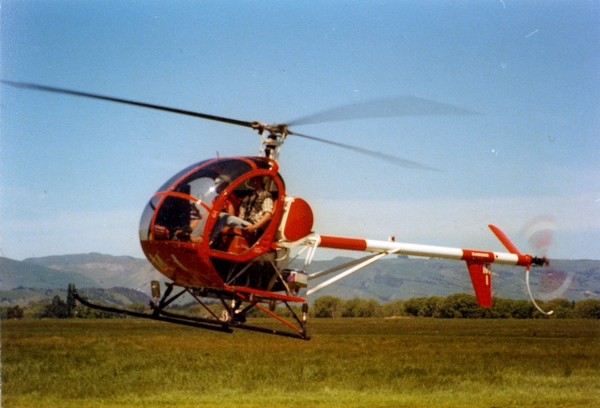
<point>14,312</point>
<point>461,305</point>
<point>523,309</point>
<point>394,308</point>
<point>587,309</point>
<point>57,309</point>
<point>502,308</point>
<point>432,307</point>
<point>561,307</point>
<point>37,310</point>
<point>413,306</point>
<point>327,306</point>
<point>424,307</point>
<point>71,303</point>
<point>361,308</point>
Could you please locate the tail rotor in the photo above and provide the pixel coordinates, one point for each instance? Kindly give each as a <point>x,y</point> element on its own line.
<point>553,282</point>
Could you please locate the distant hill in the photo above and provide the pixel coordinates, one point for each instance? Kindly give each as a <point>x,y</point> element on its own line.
<point>389,279</point>
<point>105,271</point>
<point>117,296</point>
<point>35,279</point>
<point>403,278</point>
<point>15,274</point>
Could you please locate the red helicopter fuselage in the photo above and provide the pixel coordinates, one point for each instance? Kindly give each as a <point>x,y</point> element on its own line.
<point>184,235</point>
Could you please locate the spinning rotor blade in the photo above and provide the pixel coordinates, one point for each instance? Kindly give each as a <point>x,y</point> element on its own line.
<point>380,108</point>
<point>381,156</point>
<point>387,107</point>
<point>383,108</point>
<point>539,231</point>
<point>128,102</point>
<point>553,282</point>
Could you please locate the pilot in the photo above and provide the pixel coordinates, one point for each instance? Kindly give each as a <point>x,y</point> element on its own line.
<point>183,234</point>
<point>256,208</point>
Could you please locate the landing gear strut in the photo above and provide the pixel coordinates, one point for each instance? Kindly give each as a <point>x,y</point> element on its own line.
<point>241,300</point>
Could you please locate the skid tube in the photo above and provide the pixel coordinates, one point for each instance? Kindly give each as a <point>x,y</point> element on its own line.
<point>198,322</point>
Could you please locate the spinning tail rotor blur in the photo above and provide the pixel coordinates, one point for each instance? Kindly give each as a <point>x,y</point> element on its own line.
<point>553,283</point>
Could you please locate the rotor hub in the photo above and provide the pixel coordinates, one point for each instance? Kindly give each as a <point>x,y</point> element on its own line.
<point>271,143</point>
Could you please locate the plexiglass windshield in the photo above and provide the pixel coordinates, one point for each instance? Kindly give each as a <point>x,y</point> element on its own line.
<point>181,205</point>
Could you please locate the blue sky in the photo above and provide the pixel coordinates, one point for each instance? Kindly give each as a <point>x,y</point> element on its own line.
<point>76,173</point>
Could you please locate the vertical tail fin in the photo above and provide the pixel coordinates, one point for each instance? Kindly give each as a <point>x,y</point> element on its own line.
<point>481,277</point>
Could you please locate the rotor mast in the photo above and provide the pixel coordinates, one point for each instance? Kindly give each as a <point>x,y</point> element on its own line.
<point>271,142</point>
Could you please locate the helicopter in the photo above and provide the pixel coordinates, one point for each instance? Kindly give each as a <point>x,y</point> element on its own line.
<point>224,229</point>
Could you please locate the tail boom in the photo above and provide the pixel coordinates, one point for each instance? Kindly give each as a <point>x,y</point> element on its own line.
<point>478,261</point>
<point>428,251</point>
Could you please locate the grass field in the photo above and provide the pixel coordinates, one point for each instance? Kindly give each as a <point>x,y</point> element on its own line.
<point>348,362</point>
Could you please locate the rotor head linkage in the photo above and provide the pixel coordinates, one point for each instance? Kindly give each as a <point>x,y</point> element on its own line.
<point>272,142</point>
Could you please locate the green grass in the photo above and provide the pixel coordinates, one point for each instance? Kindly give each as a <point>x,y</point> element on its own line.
<point>348,362</point>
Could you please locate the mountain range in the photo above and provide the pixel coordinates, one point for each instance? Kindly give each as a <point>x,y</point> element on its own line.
<point>389,279</point>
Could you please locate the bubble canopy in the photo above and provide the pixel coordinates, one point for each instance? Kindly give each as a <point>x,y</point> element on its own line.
<point>195,222</point>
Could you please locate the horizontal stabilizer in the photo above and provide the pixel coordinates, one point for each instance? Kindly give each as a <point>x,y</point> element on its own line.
<point>481,277</point>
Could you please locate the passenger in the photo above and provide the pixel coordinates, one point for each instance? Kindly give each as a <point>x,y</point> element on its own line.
<point>256,208</point>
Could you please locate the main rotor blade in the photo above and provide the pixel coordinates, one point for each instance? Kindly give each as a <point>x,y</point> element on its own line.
<point>381,156</point>
<point>128,102</point>
<point>383,108</point>
<point>387,107</point>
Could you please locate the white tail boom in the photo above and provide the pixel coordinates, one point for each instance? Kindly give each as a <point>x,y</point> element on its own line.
<point>478,261</point>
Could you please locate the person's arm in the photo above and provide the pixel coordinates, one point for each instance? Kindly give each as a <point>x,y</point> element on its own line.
<point>229,208</point>
<point>264,220</point>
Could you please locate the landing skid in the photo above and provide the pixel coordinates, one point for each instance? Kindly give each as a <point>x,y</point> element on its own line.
<point>236,301</point>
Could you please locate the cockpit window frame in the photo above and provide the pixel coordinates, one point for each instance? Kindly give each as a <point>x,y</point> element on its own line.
<point>177,188</point>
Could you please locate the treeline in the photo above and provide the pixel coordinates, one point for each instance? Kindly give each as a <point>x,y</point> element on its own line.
<point>57,308</point>
<point>460,305</point>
